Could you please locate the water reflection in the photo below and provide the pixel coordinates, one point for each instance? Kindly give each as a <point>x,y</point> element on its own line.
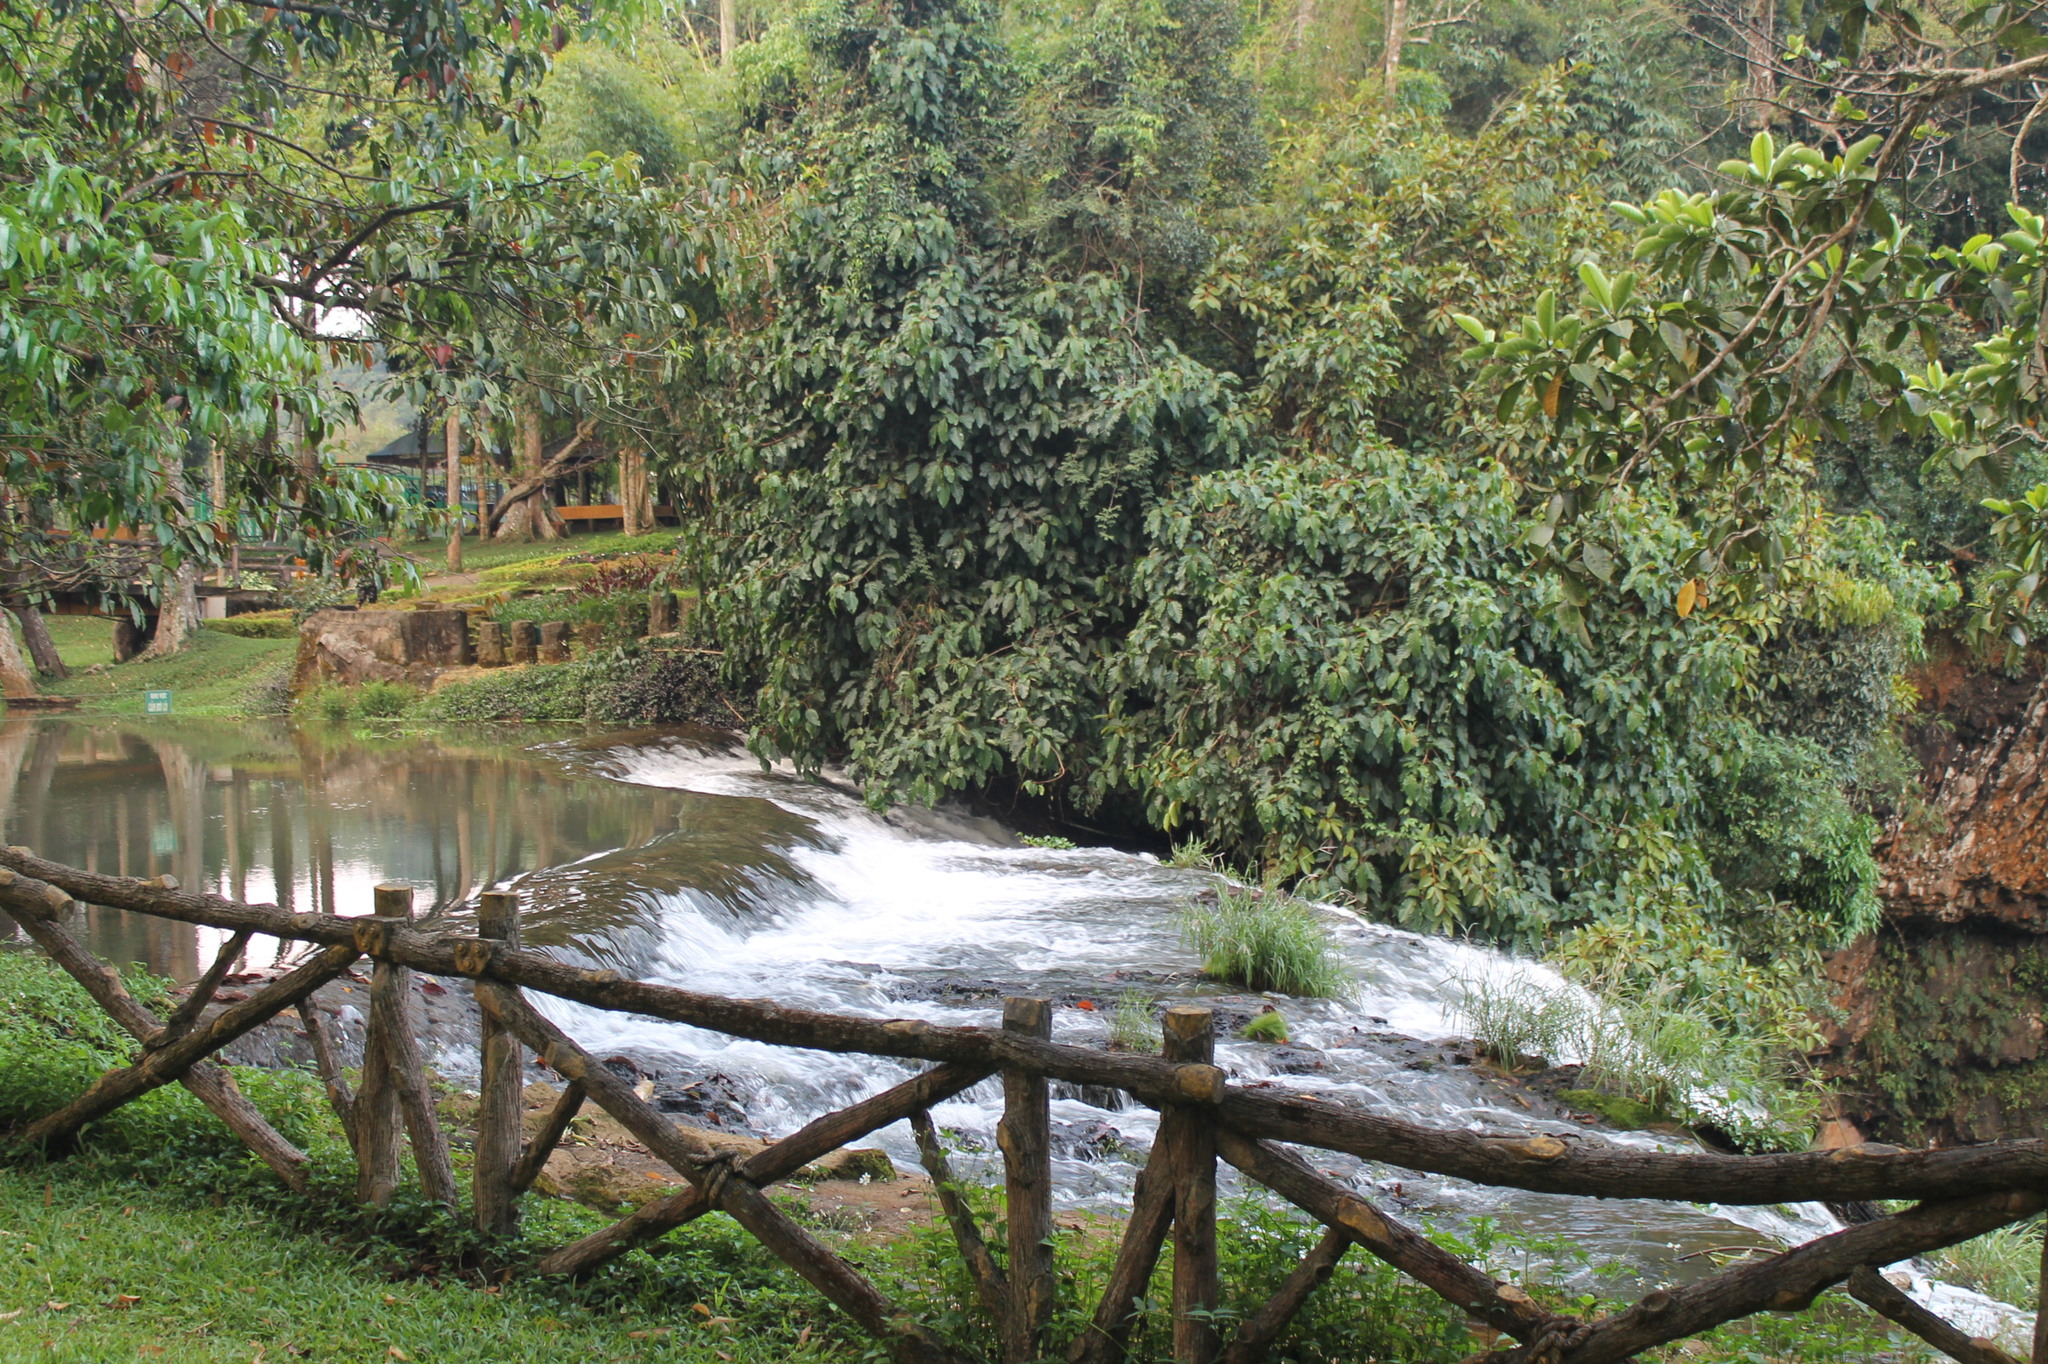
<point>312,819</point>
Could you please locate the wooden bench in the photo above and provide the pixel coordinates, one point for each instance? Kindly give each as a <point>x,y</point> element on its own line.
<point>608,516</point>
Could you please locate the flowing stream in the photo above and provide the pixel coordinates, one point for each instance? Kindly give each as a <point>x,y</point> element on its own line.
<point>673,857</point>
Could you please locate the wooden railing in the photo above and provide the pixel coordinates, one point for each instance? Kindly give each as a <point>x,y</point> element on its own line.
<point>1963,1192</point>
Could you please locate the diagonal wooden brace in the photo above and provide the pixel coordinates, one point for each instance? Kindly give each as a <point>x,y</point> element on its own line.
<point>1782,1283</point>
<point>1499,1305</point>
<point>726,1190</point>
<point>27,903</point>
<point>170,1063</point>
<point>1257,1332</point>
<point>815,1139</point>
<point>185,1015</point>
<point>1881,1296</point>
<point>1144,1234</point>
<point>991,1285</point>
<point>534,1158</point>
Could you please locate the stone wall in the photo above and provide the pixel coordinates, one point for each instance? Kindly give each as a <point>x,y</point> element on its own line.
<point>1941,1030</point>
<point>353,647</point>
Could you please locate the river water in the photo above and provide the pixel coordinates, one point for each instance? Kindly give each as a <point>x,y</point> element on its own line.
<point>673,857</point>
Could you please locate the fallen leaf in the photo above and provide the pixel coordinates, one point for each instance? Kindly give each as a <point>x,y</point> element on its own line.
<point>700,1309</point>
<point>125,1300</point>
<point>653,1334</point>
<point>150,1349</point>
<point>395,1353</point>
<point>1087,1004</point>
<point>10,1316</point>
<point>57,1306</point>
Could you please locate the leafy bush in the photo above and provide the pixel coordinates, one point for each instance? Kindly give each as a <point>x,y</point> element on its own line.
<point>1263,940</point>
<point>379,699</point>
<point>538,694</point>
<point>631,685</point>
<point>644,685</point>
<point>383,700</point>
<point>311,592</point>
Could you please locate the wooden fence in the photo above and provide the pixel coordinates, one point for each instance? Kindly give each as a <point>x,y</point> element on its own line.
<point>1961,1193</point>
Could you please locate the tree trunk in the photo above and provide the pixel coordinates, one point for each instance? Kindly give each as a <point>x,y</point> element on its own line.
<point>178,614</point>
<point>217,491</point>
<point>36,634</point>
<point>1760,51</point>
<point>1397,38</point>
<point>455,488</point>
<point>531,517</point>
<point>726,40</point>
<point>1304,21</point>
<point>633,493</point>
<point>15,681</point>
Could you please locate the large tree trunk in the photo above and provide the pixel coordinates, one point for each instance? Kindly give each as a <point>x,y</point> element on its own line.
<point>532,516</point>
<point>634,496</point>
<point>36,634</point>
<point>14,679</point>
<point>178,614</point>
<point>726,37</point>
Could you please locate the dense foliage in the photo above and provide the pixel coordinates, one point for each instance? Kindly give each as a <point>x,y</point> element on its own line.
<point>1258,428</point>
<point>1247,553</point>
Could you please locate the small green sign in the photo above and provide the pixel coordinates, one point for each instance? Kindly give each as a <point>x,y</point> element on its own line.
<point>156,703</point>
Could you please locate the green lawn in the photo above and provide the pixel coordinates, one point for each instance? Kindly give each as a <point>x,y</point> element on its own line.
<point>218,675</point>
<point>82,641</point>
<point>97,1271</point>
<point>478,554</point>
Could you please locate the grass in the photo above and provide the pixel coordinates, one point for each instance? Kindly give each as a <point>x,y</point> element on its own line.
<point>1645,1060</point>
<point>479,555</point>
<point>99,1272</point>
<point>1134,1023</point>
<point>1264,940</point>
<point>220,674</point>
<point>2005,1263</point>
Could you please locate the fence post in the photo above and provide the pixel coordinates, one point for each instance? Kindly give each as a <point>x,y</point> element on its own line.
<point>1190,1036</point>
<point>379,1124</point>
<point>1025,1136</point>
<point>500,1086</point>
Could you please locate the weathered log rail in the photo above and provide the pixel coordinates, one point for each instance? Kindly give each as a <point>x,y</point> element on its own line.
<point>1963,1192</point>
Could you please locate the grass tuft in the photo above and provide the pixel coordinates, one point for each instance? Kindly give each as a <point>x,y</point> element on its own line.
<point>1264,940</point>
<point>1653,1058</point>
<point>1134,1023</point>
